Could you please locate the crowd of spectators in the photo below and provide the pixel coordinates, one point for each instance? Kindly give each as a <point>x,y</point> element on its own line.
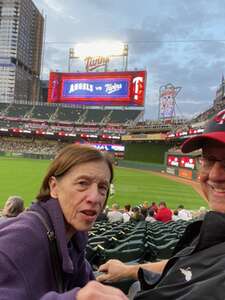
<point>151,213</point>
<point>34,147</point>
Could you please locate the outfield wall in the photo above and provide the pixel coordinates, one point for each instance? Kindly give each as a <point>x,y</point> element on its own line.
<point>141,165</point>
<point>151,152</point>
<point>153,156</point>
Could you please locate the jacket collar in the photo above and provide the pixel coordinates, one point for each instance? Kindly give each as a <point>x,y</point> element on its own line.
<point>202,234</point>
<point>212,231</point>
<point>78,240</point>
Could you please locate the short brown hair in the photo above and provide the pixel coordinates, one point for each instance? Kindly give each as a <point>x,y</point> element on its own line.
<point>14,205</point>
<point>70,156</point>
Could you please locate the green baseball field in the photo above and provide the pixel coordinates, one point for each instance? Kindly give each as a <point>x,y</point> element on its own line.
<point>24,176</point>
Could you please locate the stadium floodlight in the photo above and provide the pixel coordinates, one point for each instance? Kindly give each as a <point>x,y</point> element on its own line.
<point>99,48</point>
<point>96,54</point>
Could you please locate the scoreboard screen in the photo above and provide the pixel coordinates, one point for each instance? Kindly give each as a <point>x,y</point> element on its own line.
<point>99,88</point>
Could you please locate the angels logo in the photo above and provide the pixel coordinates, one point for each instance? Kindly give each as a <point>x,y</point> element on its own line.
<point>220,117</point>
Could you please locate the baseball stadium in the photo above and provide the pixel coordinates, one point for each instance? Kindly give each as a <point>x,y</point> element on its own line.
<point>149,166</point>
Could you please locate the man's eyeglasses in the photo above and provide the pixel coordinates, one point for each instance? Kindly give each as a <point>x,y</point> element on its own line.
<point>208,162</point>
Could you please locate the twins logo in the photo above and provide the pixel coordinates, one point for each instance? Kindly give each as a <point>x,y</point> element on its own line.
<point>187,273</point>
<point>138,82</point>
<point>93,63</point>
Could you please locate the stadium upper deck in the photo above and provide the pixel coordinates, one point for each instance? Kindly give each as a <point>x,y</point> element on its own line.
<point>69,113</point>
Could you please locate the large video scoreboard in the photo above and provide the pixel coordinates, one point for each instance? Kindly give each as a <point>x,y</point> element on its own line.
<point>99,88</point>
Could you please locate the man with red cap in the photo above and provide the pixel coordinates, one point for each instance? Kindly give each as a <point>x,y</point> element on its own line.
<point>197,269</point>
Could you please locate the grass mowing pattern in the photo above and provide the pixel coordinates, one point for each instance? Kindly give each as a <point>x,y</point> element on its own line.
<point>136,186</point>
<point>23,177</point>
<point>20,176</point>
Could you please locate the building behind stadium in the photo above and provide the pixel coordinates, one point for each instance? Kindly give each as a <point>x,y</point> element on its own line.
<point>21,35</point>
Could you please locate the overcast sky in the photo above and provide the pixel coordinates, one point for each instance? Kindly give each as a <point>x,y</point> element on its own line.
<point>176,41</point>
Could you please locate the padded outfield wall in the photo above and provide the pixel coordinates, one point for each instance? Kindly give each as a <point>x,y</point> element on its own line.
<point>151,152</point>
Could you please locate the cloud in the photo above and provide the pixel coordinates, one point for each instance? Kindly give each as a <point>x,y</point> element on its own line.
<point>175,41</point>
<point>54,5</point>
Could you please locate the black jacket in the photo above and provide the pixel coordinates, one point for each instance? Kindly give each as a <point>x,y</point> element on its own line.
<point>197,270</point>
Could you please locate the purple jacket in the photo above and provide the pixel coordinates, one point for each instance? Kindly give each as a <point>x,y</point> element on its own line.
<point>25,262</point>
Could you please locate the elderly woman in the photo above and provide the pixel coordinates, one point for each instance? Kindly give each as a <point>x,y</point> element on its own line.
<point>42,251</point>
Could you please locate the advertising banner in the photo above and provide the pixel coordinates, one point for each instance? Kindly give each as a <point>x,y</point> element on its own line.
<point>186,162</point>
<point>144,137</point>
<point>172,161</point>
<point>171,171</point>
<point>106,147</point>
<point>185,173</point>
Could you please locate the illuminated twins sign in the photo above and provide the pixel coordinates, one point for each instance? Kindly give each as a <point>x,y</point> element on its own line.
<point>92,63</point>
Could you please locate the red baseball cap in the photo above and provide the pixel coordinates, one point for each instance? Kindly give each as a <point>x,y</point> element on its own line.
<point>214,130</point>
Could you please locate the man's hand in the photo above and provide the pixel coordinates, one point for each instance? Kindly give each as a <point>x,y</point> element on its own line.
<point>97,291</point>
<point>114,270</point>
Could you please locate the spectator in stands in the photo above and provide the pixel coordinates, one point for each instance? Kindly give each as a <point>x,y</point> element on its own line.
<point>154,207</point>
<point>201,212</point>
<point>164,214</point>
<point>145,205</point>
<point>136,214</point>
<point>115,215</point>
<point>183,213</point>
<point>127,213</point>
<point>42,251</point>
<point>14,205</point>
<point>175,216</point>
<point>150,217</point>
<point>103,216</point>
<point>144,209</point>
<point>198,265</point>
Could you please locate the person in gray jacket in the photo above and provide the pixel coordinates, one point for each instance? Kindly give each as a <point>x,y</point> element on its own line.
<point>42,251</point>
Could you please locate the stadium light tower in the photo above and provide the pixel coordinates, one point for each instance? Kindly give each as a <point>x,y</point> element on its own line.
<point>100,52</point>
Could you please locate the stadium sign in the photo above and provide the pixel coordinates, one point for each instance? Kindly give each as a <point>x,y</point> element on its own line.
<point>98,89</point>
<point>144,137</point>
<point>93,63</point>
<point>167,100</point>
<point>95,88</point>
<point>105,147</point>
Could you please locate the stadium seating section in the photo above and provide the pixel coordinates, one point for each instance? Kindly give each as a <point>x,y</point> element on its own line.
<point>60,113</point>
<point>133,242</point>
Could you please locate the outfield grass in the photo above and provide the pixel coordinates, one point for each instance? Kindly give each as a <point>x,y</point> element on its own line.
<point>21,177</point>
<point>136,186</point>
<point>24,176</point>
